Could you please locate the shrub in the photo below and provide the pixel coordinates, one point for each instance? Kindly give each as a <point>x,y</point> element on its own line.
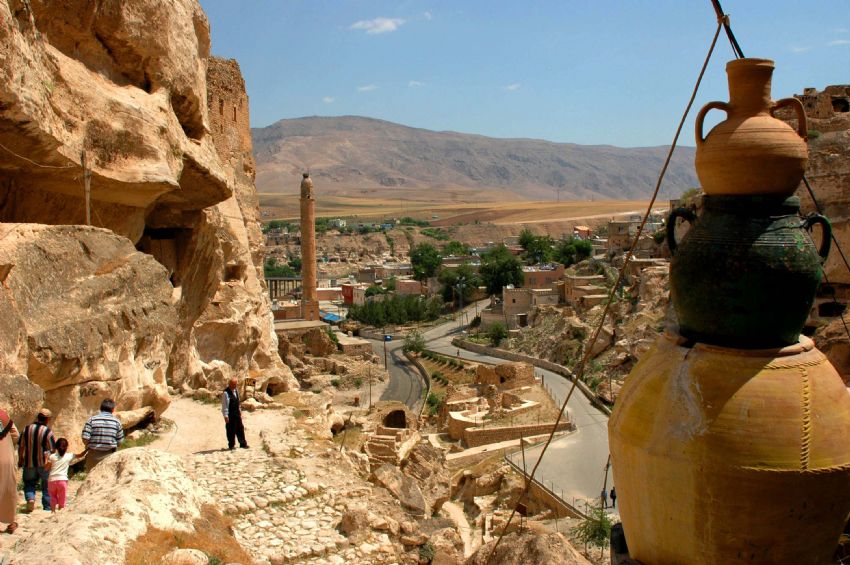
<point>496,333</point>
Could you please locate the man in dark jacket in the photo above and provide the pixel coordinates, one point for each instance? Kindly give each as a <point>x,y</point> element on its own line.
<point>233,416</point>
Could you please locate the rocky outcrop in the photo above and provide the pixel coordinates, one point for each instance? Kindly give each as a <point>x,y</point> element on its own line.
<point>532,546</point>
<point>123,496</point>
<point>129,90</point>
<point>97,320</point>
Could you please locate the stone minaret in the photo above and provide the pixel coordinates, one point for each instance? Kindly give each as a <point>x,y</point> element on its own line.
<point>309,303</point>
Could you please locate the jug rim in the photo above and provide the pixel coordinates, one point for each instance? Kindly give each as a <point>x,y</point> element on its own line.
<point>750,62</point>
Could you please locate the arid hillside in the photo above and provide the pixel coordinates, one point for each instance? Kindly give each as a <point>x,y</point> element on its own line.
<point>349,152</point>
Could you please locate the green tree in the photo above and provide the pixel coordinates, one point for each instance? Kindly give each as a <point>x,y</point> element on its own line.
<point>425,260</point>
<point>295,263</point>
<point>595,529</point>
<point>450,278</point>
<point>572,250</point>
<point>413,343</point>
<point>496,333</point>
<point>539,249</point>
<point>272,269</point>
<point>455,248</point>
<point>526,238</point>
<point>499,268</point>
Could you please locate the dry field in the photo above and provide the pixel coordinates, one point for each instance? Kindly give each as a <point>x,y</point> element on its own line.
<point>452,207</point>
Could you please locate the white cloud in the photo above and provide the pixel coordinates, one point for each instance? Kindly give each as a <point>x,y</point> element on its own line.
<point>800,48</point>
<point>841,30</point>
<point>328,99</point>
<point>514,86</point>
<point>428,16</point>
<point>840,42</point>
<point>415,83</point>
<point>378,25</point>
<point>367,88</point>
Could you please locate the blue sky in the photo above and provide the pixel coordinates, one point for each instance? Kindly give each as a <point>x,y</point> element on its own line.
<point>591,72</point>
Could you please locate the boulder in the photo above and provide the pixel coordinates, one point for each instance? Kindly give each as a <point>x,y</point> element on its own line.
<point>426,464</point>
<point>127,493</point>
<point>403,488</point>
<point>532,546</point>
<point>98,317</point>
<point>185,557</point>
<point>355,523</point>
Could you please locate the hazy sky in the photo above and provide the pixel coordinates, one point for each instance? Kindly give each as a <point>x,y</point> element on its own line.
<point>592,71</point>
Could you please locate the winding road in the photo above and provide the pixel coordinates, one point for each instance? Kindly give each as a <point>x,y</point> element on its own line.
<point>574,465</point>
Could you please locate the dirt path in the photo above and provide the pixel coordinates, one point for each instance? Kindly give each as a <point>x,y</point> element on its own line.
<point>456,515</point>
<point>200,427</point>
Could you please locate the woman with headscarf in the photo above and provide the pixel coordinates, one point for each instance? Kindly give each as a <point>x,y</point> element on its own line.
<point>8,477</point>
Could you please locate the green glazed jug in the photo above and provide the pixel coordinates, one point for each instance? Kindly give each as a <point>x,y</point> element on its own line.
<point>746,273</point>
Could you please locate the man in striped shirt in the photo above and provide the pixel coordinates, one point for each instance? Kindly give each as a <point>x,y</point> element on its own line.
<point>102,434</point>
<point>36,443</point>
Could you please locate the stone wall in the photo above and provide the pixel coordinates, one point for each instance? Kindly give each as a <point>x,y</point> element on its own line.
<point>473,437</point>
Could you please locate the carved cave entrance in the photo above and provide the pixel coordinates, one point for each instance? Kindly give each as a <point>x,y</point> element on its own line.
<point>395,419</point>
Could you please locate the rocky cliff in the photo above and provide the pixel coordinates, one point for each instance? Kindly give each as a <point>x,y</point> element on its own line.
<point>167,284</point>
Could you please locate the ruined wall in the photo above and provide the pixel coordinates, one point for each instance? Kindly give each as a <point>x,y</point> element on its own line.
<point>828,171</point>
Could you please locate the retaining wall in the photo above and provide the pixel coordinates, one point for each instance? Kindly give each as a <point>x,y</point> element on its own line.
<point>473,437</point>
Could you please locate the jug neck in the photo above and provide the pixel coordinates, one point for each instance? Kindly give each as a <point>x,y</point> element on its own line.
<point>749,85</point>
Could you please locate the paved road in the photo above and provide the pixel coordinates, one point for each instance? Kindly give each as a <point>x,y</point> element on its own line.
<point>406,384</point>
<point>573,465</point>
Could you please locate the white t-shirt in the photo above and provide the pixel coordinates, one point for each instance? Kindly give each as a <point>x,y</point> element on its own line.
<point>60,465</point>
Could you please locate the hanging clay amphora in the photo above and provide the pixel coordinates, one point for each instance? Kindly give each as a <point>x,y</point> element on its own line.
<point>746,273</point>
<point>751,152</point>
<point>724,456</point>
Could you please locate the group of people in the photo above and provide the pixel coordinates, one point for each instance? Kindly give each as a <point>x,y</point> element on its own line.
<point>46,460</point>
<point>606,497</point>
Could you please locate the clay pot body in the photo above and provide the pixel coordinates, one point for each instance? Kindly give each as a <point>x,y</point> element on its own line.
<point>732,456</point>
<point>751,152</point>
<point>746,273</point>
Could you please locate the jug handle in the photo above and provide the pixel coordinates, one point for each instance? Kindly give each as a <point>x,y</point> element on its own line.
<point>686,215</point>
<point>701,116</point>
<point>802,126</point>
<point>826,235</point>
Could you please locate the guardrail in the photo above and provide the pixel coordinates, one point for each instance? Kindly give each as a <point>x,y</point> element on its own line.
<point>570,508</point>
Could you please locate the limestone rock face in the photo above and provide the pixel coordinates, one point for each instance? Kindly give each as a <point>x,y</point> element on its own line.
<point>235,325</point>
<point>124,81</point>
<point>97,315</point>
<point>124,495</point>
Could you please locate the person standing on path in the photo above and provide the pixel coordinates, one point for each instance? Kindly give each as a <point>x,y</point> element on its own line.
<point>604,497</point>
<point>101,434</point>
<point>613,497</point>
<point>8,478</point>
<point>233,416</point>
<point>36,443</point>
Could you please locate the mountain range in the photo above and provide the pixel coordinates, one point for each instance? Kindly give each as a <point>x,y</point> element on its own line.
<point>351,152</point>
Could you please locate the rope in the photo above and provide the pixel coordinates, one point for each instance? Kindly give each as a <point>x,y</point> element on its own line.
<point>68,166</point>
<point>578,372</point>
<point>723,18</point>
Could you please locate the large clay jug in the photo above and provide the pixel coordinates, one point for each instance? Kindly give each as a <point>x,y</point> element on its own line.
<point>725,456</point>
<point>751,152</point>
<point>746,272</point>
